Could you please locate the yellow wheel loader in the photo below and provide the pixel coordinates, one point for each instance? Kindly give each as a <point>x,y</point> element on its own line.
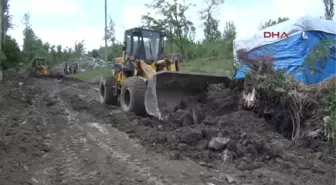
<point>39,66</point>
<point>142,81</point>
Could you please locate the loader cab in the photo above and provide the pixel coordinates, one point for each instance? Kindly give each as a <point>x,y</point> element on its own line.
<point>144,44</point>
<point>40,65</point>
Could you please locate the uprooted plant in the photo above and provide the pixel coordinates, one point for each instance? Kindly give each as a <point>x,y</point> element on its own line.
<point>289,104</point>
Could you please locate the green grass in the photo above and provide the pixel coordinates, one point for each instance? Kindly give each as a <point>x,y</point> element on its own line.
<point>87,75</point>
<point>218,66</point>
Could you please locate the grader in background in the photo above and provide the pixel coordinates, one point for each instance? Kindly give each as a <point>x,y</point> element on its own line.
<point>39,66</point>
<point>143,81</point>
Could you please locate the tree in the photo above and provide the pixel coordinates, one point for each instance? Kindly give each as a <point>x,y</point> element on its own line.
<point>110,34</point>
<point>29,39</point>
<point>7,19</point>
<point>229,32</point>
<point>79,48</point>
<point>12,53</point>
<point>210,24</point>
<point>270,22</point>
<point>95,53</point>
<point>174,22</point>
<point>329,9</point>
<point>59,53</point>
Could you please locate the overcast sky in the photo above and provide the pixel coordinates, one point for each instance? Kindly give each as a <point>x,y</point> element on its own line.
<point>65,21</point>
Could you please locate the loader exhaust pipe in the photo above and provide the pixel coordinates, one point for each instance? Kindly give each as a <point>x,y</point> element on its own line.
<point>165,90</point>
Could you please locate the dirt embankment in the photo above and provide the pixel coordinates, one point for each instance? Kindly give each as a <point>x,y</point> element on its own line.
<point>227,139</point>
<point>230,146</point>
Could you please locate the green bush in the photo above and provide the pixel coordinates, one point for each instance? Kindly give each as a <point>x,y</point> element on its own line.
<point>12,55</point>
<point>329,111</point>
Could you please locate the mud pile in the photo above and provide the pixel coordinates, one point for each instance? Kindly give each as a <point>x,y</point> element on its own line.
<point>217,125</point>
<point>21,130</point>
<point>217,134</point>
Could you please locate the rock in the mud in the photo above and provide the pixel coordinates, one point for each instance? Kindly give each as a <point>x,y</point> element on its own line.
<point>182,146</point>
<point>202,144</point>
<point>210,132</point>
<point>159,137</point>
<point>187,121</point>
<point>174,155</point>
<point>51,102</point>
<point>275,149</point>
<point>251,149</point>
<point>207,164</point>
<point>38,128</point>
<point>46,148</point>
<point>206,155</point>
<point>230,179</point>
<point>135,122</point>
<point>227,156</point>
<point>210,120</point>
<point>171,138</point>
<point>218,143</point>
<point>180,115</point>
<point>195,155</point>
<point>191,135</point>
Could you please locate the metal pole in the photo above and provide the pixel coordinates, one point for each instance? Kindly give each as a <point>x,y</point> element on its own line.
<point>1,19</point>
<point>106,32</point>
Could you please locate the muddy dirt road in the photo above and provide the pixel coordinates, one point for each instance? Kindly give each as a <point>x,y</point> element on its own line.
<point>57,133</point>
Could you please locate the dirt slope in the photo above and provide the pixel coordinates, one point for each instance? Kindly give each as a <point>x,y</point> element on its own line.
<point>56,132</point>
<point>49,137</point>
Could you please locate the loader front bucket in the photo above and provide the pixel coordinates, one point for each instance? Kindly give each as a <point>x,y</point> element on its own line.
<point>165,90</point>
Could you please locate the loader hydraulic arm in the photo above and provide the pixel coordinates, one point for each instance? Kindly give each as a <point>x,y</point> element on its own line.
<point>143,69</point>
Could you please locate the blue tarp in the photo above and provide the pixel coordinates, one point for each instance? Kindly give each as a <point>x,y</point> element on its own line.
<point>289,54</point>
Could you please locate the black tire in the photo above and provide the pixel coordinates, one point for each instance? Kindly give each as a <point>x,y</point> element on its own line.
<point>106,91</point>
<point>132,95</point>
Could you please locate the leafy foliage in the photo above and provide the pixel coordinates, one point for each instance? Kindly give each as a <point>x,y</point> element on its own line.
<point>210,24</point>
<point>110,32</point>
<point>318,53</point>
<point>329,9</point>
<point>11,52</point>
<point>271,22</point>
<point>179,29</point>
<point>229,31</point>
<point>329,104</point>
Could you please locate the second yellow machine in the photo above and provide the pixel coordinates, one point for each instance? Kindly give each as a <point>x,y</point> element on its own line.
<point>143,81</point>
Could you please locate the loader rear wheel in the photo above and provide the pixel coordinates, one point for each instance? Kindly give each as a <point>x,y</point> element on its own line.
<point>132,95</point>
<point>107,88</point>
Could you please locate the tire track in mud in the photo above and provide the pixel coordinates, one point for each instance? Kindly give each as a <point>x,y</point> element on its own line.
<point>111,141</point>
<point>87,152</point>
<point>74,158</point>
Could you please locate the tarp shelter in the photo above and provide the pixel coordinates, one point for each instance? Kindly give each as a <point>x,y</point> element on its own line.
<point>291,53</point>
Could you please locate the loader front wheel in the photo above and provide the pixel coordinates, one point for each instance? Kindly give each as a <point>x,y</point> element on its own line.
<point>132,95</point>
<point>106,90</point>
